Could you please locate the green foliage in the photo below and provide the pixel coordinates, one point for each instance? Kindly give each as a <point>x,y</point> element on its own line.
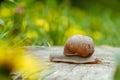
<point>117,71</point>
<point>52,22</point>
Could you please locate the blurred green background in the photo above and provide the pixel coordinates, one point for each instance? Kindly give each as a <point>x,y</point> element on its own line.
<point>51,22</point>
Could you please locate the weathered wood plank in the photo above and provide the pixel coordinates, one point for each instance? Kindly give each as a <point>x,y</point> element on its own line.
<point>65,71</point>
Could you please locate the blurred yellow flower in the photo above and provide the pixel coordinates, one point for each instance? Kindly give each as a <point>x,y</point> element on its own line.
<point>74,29</point>
<point>30,66</point>
<point>5,12</point>
<point>32,34</point>
<point>96,35</point>
<point>17,59</point>
<point>42,24</point>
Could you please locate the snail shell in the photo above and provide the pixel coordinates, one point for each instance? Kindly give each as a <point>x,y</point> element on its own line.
<point>79,45</point>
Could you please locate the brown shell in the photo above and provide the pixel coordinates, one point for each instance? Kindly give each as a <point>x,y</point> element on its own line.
<point>79,45</point>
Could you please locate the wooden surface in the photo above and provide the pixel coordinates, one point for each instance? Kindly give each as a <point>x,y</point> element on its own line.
<point>65,71</point>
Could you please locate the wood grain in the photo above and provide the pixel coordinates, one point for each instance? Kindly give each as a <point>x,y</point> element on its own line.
<point>66,71</point>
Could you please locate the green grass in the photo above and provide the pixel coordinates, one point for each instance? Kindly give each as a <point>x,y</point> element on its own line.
<point>41,24</point>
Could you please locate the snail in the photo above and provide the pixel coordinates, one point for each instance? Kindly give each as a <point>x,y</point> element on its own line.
<point>79,45</point>
<point>78,49</point>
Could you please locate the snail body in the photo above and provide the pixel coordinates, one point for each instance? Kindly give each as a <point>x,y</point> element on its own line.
<point>79,45</point>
